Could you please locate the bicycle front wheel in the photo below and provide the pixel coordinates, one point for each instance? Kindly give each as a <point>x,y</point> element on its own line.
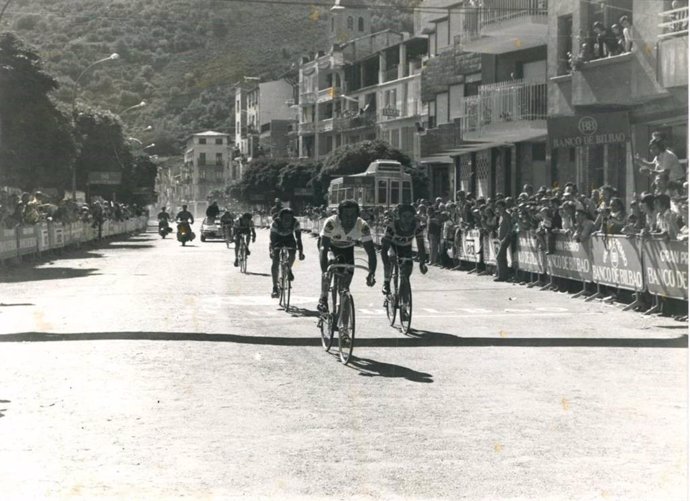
<point>346,327</point>
<point>405,306</point>
<point>392,298</point>
<point>243,258</point>
<point>287,289</point>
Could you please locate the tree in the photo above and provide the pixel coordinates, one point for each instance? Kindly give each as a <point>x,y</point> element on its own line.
<point>36,145</point>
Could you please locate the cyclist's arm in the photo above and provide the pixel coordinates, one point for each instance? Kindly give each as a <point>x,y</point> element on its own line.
<point>421,249</point>
<point>253,232</point>
<point>371,254</point>
<point>298,239</point>
<point>323,253</point>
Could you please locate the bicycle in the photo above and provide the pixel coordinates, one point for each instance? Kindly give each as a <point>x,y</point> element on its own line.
<point>285,285</point>
<point>341,314</point>
<point>400,296</point>
<point>242,254</point>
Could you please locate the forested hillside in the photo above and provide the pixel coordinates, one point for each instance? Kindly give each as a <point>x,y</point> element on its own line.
<point>179,55</point>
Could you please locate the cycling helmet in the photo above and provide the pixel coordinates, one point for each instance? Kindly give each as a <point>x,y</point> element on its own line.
<point>347,204</point>
<point>286,210</point>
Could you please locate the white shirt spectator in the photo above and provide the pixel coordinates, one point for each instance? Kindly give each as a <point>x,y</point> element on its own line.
<point>667,160</point>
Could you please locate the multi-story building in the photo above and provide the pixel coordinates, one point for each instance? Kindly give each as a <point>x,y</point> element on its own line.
<point>207,160</point>
<point>603,111</point>
<point>484,89</point>
<point>262,115</point>
<point>364,88</point>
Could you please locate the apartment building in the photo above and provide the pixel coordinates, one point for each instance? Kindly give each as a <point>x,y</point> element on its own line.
<point>207,165</point>
<point>484,89</point>
<point>365,88</point>
<point>603,111</point>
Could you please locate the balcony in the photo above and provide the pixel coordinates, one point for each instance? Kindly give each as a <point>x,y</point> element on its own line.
<point>307,98</point>
<point>306,128</point>
<point>356,122</point>
<point>612,82</point>
<point>325,125</point>
<point>673,48</point>
<point>500,26</point>
<point>506,111</point>
<point>325,95</point>
<point>390,74</point>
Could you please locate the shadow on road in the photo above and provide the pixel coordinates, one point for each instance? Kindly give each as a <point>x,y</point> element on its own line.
<point>4,305</point>
<point>126,246</point>
<point>258,274</point>
<point>373,368</point>
<point>427,339</point>
<point>303,312</point>
<point>56,273</point>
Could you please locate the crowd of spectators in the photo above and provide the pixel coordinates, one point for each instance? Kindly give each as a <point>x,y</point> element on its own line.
<point>37,207</point>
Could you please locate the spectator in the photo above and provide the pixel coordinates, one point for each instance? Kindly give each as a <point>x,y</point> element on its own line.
<point>583,226</point>
<point>630,228</point>
<point>613,217</point>
<point>433,225</point>
<point>664,160</point>
<point>567,213</point>
<point>627,33</point>
<point>212,212</point>
<point>666,220</point>
<point>505,237</point>
<point>617,32</point>
<point>683,220</point>
<point>648,223</point>
<point>605,42</point>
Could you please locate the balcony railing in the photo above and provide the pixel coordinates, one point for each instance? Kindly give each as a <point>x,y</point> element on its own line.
<point>489,14</point>
<point>328,94</point>
<point>307,98</point>
<point>504,102</point>
<point>356,122</point>
<point>306,128</point>
<point>674,22</point>
<point>325,125</point>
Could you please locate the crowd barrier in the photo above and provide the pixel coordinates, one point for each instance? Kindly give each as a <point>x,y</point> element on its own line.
<point>637,264</point>
<point>44,237</point>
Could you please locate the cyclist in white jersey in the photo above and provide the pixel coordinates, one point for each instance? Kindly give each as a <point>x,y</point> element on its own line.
<point>340,233</point>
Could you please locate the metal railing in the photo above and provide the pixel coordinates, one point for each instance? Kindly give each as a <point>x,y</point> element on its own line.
<point>306,128</point>
<point>307,97</point>
<point>674,22</point>
<point>390,73</point>
<point>504,102</point>
<point>488,13</point>
<point>327,94</point>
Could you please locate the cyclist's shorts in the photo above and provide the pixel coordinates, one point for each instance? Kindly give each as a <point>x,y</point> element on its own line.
<point>344,255</point>
<point>242,231</point>
<point>284,241</point>
<point>402,250</point>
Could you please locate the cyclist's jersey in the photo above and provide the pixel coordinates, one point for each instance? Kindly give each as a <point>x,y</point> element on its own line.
<point>333,229</point>
<point>278,229</point>
<point>227,219</point>
<point>243,225</point>
<point>396,236</point>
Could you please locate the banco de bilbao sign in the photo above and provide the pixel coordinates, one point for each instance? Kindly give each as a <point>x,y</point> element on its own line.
<point>588,130</point>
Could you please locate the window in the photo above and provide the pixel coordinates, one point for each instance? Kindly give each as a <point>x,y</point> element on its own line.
<point>442,108</point>
<point>395,193</point>
<point>202,140</point>
<point>350,23</point>
<point>219,159</point>
<point>360,24</point>
<point>202,159</point>
<point>219,140</point>
<point>441,36</point>
<point>382,192</point>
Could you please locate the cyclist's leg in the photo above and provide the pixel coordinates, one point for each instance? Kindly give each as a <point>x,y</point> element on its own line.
<point>404,251</point>
<point>247,239</point>
<point>275,264</point>
<point>237,237</point>
<point>291,244</point>
<point>348,257</point>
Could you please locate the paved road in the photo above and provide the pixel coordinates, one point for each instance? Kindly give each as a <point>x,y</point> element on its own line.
<point>144,370</point>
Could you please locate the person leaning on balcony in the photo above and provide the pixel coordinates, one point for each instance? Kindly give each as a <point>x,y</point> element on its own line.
<point>664,160</point>
<point>627,33</point>
<point>605,41</point>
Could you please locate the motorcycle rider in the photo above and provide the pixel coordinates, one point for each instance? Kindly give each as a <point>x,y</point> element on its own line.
<point>243,227</point>
<point>163,220</point>
<point>185,218</point>
<point>212,212</point>
<point>285,232</point>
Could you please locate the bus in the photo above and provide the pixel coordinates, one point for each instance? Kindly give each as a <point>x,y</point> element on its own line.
<point>384,184</point>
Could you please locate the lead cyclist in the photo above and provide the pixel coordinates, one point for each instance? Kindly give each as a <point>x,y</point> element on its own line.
<point>340,233</point>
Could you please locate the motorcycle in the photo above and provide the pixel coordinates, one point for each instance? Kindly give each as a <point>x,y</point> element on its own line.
<point>184,232</point>
<point>164,228</point>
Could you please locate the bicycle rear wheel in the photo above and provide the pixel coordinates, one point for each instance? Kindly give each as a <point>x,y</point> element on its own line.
<point>287,289</point>
<point>405,305</point>
<point>243,256</point>
<point>327,321</point>
<point>346,327</point>
<point>392,298</point>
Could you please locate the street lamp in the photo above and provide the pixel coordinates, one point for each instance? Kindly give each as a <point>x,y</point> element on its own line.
<point>112,57</point>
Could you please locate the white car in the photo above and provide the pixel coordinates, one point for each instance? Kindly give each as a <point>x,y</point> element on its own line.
<point>211,229</point>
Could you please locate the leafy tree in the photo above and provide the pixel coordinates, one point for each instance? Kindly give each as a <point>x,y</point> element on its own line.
<point>36,146</point>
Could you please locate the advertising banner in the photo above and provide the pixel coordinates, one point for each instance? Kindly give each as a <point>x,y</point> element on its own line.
<point>666,267</point>
<point>8,243</point>
<point>570,259</point>
<point>27,242</point>
<point>617,262</point>
<point>529,257</point>
<point>468,246</point>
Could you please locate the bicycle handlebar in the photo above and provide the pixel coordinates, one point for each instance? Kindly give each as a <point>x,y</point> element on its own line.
<point>333,267</point>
